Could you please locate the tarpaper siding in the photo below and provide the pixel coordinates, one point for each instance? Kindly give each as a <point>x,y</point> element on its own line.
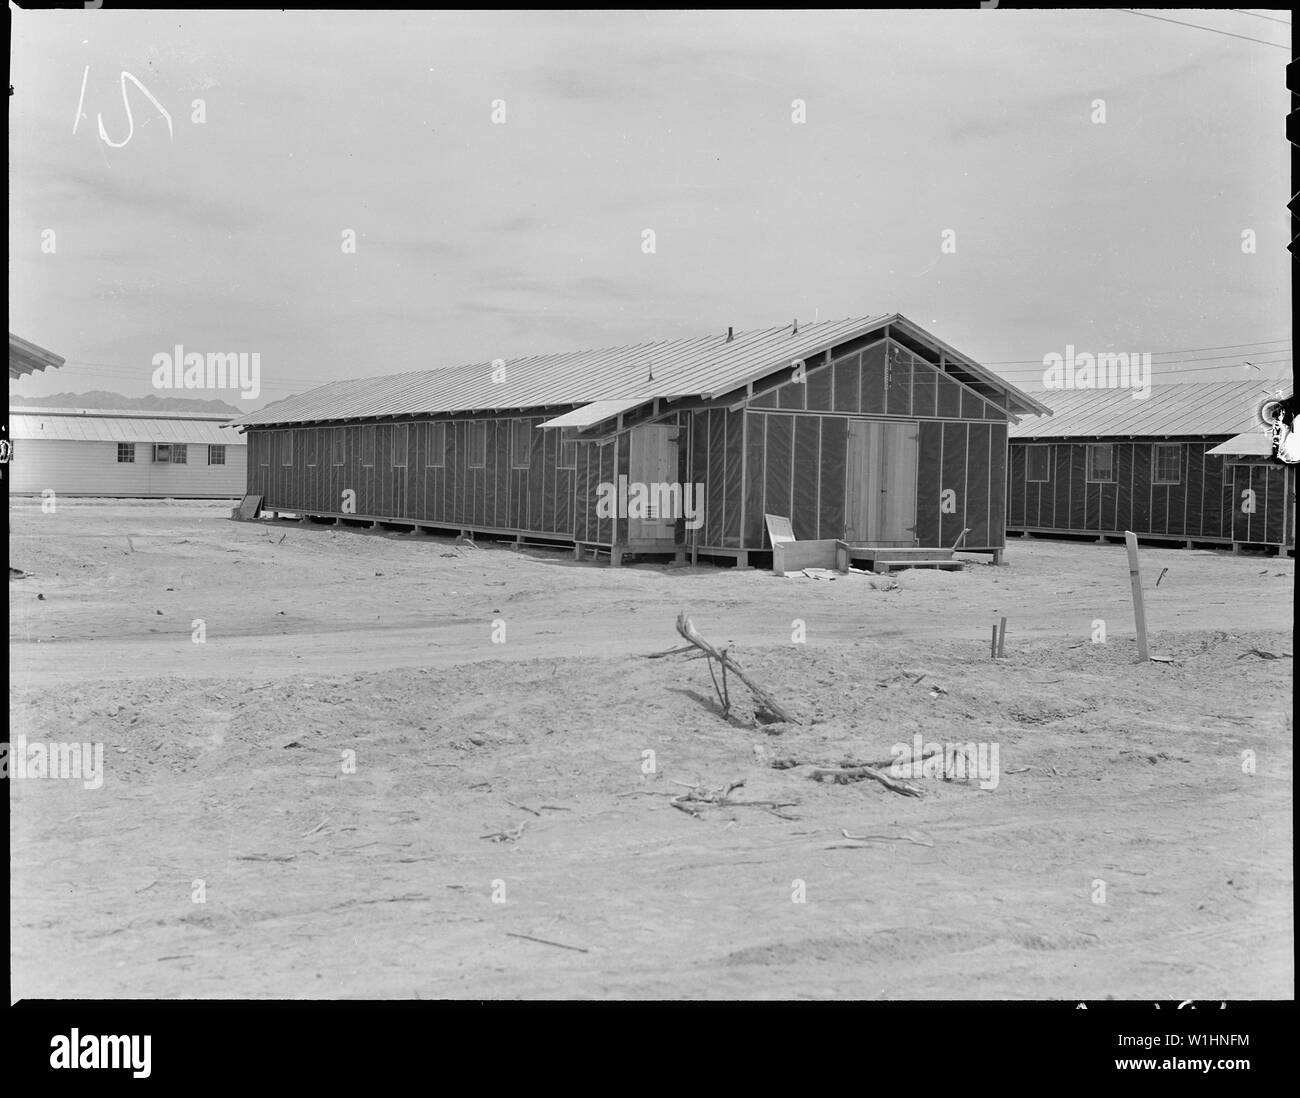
<point>1202,504</point>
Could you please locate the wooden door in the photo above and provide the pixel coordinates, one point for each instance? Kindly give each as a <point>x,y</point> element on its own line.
<point>859,495</point>
<point>880,492</point>
<point>653,462</point>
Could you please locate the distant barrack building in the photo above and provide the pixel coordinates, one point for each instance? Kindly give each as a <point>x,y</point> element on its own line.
<point>868,430</point>
<point>1189,463</point>
<point>126,453</point>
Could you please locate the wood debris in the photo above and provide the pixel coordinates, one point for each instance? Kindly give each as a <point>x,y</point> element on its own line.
<point>508,836</point>
<point>890,838</point>
<point>769,712</point>
<point>843,775</point>
<point>696,799</point>
<point>546,941</point>
<point>852,771</point>
<point>1264,655</point>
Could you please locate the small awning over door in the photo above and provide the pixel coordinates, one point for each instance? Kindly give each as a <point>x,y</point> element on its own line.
<point>1251,444</point>
<point>596,412</point>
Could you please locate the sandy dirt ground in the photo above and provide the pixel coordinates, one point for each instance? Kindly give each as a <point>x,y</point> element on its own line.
<point>374,798</point>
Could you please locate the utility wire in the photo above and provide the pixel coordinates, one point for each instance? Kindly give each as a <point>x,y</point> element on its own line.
<point>1031,365</point>
<point>1179,351</point>
<point>1197,26</point>
<point>1244,348</point>
<point>1199,363</point>
<point>1243,11</point>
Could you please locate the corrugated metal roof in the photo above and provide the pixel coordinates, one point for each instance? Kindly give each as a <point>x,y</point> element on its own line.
<point>26,357</point>
<point>706,367</point>
<point>116,413</point>
<point>122,427</point>
<point>1171,409</point>
<point>1251,444</point>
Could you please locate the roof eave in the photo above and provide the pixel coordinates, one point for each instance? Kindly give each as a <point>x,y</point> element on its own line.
<point>1021,403</point>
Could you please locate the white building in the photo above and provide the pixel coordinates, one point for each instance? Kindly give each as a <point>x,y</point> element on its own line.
<point>129,453</point>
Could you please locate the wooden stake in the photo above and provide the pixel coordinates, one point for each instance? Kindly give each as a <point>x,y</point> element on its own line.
<point>1135,579</point>
<point>993,644</point>
<point>1002,638</point>
<point>546,942</point>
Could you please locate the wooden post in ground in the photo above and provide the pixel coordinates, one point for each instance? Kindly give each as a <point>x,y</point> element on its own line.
<point>993,644</point>
<point>1002,638</point>
<point>1135,579</point>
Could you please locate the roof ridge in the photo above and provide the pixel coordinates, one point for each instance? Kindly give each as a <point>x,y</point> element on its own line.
<point>600,350</point>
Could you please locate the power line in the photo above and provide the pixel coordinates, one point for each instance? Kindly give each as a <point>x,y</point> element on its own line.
<point>998,362</point>
<point>1235,348</point>
<point>1032,364</point>
<point>1207,363</point>
<point>1188,367</point>
<point>1243,11</point>
<point>1180,351</point>
<point>1197,26</point>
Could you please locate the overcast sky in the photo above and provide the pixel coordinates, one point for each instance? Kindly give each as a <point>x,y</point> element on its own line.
<point>478,240</point>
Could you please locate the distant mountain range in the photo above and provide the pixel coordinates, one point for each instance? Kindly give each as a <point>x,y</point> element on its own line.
<point>99,398</point>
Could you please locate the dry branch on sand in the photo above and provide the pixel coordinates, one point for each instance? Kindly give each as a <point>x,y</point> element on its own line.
<point>509,835</point>
<point>696,799</point>
<point>887,838</point>
<point>841,775</point>
<point>769,709</point>
<point>846,772</point>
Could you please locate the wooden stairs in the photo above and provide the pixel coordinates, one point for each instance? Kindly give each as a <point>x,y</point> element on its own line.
<point>886,560</point>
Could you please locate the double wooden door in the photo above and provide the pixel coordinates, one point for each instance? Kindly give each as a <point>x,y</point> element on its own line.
<point>880,483</point>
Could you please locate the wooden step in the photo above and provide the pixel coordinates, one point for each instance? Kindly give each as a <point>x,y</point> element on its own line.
<point>884,553</point>
<point>892,565</point>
